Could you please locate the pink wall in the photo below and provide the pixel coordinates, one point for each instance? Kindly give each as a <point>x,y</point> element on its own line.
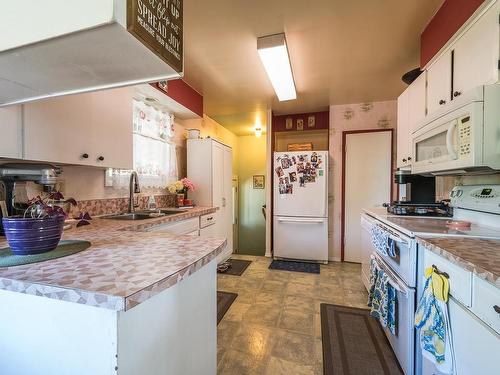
<point>348,117</point>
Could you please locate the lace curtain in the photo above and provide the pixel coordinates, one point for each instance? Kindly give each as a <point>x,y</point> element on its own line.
<point>155,159</point>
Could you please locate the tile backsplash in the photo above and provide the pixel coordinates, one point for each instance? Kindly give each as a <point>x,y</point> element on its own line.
<point>106,206</point>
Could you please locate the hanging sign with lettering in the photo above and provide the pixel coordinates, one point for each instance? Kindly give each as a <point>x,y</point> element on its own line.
<point>158,25</point>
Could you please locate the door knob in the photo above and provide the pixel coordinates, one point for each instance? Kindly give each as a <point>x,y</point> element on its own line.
<point>441,102</point>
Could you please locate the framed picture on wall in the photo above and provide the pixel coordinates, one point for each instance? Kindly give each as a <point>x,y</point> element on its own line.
<point>259,181</point>
<point>311,121</point>
<point>300,124</point>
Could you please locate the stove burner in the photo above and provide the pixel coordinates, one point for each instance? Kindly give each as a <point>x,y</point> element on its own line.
<point>410,209</point>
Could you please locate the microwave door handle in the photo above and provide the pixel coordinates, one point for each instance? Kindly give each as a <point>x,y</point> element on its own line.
<point>449,140</point>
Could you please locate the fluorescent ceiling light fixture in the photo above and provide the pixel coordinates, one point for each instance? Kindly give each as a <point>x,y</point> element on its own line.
<point>273,52</point>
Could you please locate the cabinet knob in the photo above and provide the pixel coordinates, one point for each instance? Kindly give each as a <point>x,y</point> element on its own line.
<point>404,160</point>
<point>441,102</point>
<point>409,158</point>
<point>100,158</point>
<point>496,308</point>
<point>85,156</point>
<point>457,93</point>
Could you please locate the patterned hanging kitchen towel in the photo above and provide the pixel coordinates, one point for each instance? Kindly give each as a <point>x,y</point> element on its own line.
<point>379,239</point>
<point>391,247</point>
<point>382,242</point>
<point>432,319</point>
<point>382,298</point>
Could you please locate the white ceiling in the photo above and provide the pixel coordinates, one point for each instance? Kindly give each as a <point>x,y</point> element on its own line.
<point>342,51</point>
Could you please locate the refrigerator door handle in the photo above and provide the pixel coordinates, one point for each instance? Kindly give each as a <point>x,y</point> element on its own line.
<point>301,220</point>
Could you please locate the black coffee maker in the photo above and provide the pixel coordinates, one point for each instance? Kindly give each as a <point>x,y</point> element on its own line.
<point>13,178</point>
<point>414,188</point>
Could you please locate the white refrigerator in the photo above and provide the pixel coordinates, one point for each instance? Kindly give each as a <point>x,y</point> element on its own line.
<point>300,222</point>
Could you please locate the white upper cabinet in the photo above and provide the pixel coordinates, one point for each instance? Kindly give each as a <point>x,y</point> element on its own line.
<point>476,53</point>
<point>112,127</point>
<point>59,130</point>
<point>416,101</point>
<point>403,131</point>
<point>11,132</point>
<point>92,129</point>
<point>411,110</point>
<point>439,83</point>
<point>471,60</point>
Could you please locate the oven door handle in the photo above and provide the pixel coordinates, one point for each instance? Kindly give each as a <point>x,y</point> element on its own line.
<point>403,289</point>
<point>393,236</point>
<point>397,239</point>
<point>449,140</point>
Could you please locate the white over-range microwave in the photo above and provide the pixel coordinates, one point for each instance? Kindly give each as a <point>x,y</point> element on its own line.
<point>463,138</point>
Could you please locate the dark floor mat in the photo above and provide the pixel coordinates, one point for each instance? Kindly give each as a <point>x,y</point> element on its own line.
<point>224,302</point>
<point>237,267</point>
<point>284,265</point>
<point>354,343</point>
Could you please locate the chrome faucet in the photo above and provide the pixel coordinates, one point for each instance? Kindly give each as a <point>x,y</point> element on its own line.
<point>133,188</point>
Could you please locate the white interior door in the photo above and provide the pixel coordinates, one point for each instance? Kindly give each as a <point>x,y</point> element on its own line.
<point>368,173</point>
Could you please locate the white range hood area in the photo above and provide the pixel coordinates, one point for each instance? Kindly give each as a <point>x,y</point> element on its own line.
<point>58,47</point>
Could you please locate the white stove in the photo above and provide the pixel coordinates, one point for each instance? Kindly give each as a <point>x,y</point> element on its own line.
<point>479,205</point>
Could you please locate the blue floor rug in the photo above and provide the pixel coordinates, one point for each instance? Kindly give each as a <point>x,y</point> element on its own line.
<point>284,265</point>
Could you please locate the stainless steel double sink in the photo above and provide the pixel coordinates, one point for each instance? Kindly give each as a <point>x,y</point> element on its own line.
<point>145,214</point>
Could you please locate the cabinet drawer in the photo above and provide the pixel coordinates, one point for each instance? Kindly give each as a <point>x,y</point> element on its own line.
<point>206,220</point>
<point>181,227</point>
<point>460,279</point>
<point>484,299</point>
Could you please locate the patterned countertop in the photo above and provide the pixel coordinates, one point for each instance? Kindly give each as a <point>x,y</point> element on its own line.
<point>125,265</point>
<point>481,256</point>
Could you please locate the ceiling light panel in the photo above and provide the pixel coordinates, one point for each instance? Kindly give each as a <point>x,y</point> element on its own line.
<point>273,53</point>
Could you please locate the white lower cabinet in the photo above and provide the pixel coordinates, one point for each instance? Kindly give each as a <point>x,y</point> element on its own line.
<point>173,332</point>
<point>475,341</point>
<point>189,227</point>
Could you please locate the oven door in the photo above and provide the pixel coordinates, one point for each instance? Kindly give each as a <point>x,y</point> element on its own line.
<point>453,141</point>
<point>403,341</point>
<point>404,263</point>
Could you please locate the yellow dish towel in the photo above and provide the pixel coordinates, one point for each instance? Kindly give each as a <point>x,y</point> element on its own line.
<point>440,284</point>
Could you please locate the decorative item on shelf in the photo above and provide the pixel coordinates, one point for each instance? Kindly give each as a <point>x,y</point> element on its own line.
<point>289,123</point>
<point>311,121</point>
<point>181,188</point>
<point>163,86</point>
<point>300,124</point>
<point>300,146</point>
<point>40,228</point>
<point>193,133</point>
<point>259,182</point>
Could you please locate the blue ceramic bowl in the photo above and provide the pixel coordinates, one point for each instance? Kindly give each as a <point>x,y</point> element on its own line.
<point>28,236</point>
